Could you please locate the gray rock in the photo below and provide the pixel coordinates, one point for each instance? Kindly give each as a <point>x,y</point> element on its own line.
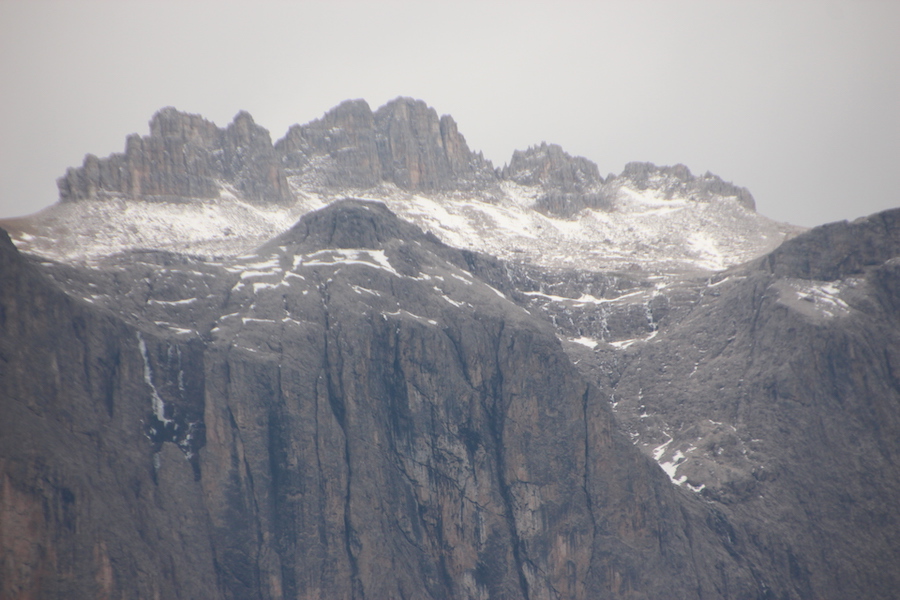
<point>185,156</point>
<point>679,181</point>
<point>773,396</point>
<point>403,142</point>
<point>572,183</point>
<point>551,166</point>
<point>340,147</point>
<point>356,409</point>
<point>837,250</point>
<point>380,423</point>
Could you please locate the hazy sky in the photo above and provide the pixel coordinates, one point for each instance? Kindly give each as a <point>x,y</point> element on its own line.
<point>798,101</point>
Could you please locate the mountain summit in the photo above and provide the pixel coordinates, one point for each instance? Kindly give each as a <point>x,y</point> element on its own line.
<point>194,187</point>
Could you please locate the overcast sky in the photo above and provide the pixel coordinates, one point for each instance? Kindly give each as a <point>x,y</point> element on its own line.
<point>798,101</point>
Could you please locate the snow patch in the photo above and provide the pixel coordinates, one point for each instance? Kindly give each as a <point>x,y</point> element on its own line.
<point>622,344</point>
<point>171,302</point>
<point>586,341</point>
<point>813,298</point>
<point>340,256</point>
<point>159,407</point>
<point>362,290</point>
<point>402,312</point>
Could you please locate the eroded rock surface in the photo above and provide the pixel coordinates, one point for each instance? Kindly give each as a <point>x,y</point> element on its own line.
<point>349,412</point>
<point>404,143</point>
<point>184,157</point>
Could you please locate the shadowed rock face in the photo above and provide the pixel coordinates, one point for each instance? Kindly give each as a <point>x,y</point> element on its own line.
<point>776,397</point>
<point>548,164</point>
<point>341,147</point>
<point>365,418</point>
<point>838,250</point>
<point>572,183</point>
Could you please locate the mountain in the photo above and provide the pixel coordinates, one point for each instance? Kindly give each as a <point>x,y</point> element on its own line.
<point>192,187</point>
<point>452,386</point>
<point>777,396</point>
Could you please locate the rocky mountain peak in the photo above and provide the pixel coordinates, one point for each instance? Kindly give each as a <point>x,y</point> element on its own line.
<point>549,165</point>
<point>336,150</point>
<point>404,142</point>
<point>411,144</point>
<point>546,206</point>
<point>838,250</point>
<point>678,181</point>
<point>349,224</point>
<point>569,183</point>
<point>171,122</point>
<point>185,156</point>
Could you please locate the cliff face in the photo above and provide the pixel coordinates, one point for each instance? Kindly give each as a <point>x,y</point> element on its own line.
<point>185,156</point>
<point>341,147</point>
<point>571,183</point>
<point>86,509</point>
<point>403,142</point>
<point>350,413</point>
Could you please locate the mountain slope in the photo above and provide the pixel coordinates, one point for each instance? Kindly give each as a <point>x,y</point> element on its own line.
<point>346,402</point>
<point>778,399</point>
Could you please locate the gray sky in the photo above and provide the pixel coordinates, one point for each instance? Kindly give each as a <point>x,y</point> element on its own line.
<point>798,101</point>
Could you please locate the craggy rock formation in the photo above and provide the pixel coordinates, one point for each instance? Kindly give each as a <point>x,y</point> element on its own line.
<point>403,142</point>
<point>571,183</point>
<point>678,181</point>
<point>548,164</point>
<point>340,147</point>
<point>185,156</point>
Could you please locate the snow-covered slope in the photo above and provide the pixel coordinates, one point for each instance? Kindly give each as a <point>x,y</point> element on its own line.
<point>192,187</point>
<point>642,230</point>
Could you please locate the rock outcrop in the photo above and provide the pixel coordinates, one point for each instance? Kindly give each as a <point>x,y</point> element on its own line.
<point>550,165</point>
<point>837,250</point>
<point>185,156</point>
<point>570,183</point>
<point>403,142</point>
<point>340,149</point>
<point>678,181</point>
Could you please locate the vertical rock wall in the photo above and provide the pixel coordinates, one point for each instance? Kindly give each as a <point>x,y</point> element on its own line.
<point>185,156</point>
